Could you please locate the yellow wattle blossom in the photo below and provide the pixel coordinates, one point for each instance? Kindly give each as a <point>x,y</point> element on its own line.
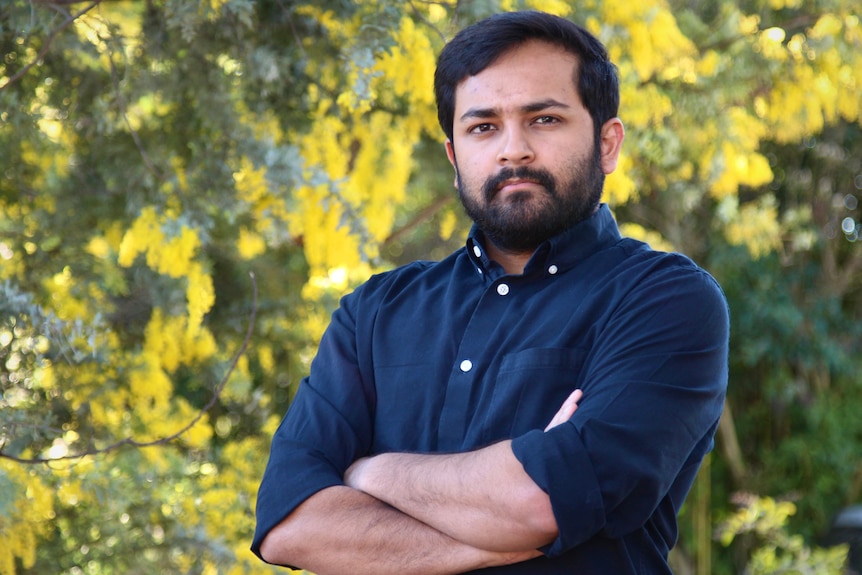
<point>70,492</point>
<point>729,156</point>
<point>766,514</point>
<point>651,38</point>
<point>215,6</point>
<point>831,78</point>
<point>250,244</point>
<point>180,173</point>
<point>150,387</point>
<point>781,4</point>
<point>266,358</point>
<point>67,301</point>
<point>365,153</point>
<point>168,345</point>
<point>238,387</point>
<point>559,7</point>
<point>651,237</point>
<point>328,284</point>
<point>200,295</point>
<point>170,342</point>
<point>619,187</point>
<point>144,232</point>
<point>252,188</point>
<point>708,64</point>
<point>644,106</point>
<point>170,256</point>
<point>749,25</point>
<point>173,257</point>
<point>447,225</point>
<point>198,435</point>
<point>407,71</point>
<point>740,168</point>
<point>756,226</point>
<point>31,507</point>
<point>770,43</point>
<point>99,247</point>
<point>111,410</point>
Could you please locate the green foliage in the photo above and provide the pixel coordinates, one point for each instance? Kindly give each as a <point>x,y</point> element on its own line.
<point>777,551</point>
<point>155,153</point>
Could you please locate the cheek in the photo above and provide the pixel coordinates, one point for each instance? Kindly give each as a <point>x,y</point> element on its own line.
<point>464,170</point>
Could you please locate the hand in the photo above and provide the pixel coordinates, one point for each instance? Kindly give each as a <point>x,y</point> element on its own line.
<point>566,410</point>
<point>354,472</point>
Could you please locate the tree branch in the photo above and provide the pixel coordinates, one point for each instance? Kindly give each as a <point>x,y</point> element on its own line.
<point>425,21</point>
<point>426,214</point>
<point>47,45</point>
<point>121,102</point>
<point>730,446</point>
<point>132,442</point>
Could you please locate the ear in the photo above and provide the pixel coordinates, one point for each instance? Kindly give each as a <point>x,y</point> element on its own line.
<point>450,153</point>
<point>612,136</point>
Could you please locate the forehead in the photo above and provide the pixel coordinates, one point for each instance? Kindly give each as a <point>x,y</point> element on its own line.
<point>533,71</point>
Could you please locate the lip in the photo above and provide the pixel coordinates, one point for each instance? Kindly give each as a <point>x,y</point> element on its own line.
<point>517,185</point>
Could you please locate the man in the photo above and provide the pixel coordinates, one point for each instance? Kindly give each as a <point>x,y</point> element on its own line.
<point>538,402</point>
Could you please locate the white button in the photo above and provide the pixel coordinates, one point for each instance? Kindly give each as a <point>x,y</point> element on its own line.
<point>553,269</point>
<point>502,289</point>
<point>477,251</point>
<point>466,365</point>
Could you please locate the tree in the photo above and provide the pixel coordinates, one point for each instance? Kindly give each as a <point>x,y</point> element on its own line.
<point>157,152</point>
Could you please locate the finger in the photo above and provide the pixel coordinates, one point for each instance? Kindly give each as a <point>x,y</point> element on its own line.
<point>575,397</point>
<point>566,410</point>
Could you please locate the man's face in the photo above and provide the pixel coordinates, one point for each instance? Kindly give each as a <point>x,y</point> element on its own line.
<point>523,148</point>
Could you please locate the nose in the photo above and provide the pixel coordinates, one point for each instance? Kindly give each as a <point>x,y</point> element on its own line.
<point>515,148</point>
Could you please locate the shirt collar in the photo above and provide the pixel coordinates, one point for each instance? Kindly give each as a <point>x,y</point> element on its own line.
<point>558,254</point>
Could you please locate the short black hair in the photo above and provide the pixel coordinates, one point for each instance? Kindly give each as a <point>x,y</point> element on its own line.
<point>479,45</point>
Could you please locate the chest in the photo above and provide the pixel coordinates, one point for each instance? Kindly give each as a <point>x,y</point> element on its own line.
<point>457,369</point>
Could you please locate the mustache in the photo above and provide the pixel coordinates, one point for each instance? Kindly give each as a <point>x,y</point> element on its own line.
<point>542,177</point>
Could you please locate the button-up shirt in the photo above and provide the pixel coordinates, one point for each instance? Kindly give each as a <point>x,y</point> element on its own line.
<point>454,355</point>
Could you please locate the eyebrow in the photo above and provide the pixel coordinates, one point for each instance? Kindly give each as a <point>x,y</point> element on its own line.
<point>484,113</point>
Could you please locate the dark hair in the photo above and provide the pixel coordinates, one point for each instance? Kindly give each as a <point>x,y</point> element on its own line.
<point>479,45</point>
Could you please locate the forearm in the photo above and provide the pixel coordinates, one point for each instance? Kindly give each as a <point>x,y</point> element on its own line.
<point>483,498</point>
<point>342,530</point>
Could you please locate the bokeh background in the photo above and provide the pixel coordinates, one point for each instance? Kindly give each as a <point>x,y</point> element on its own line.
<point>187,187</point>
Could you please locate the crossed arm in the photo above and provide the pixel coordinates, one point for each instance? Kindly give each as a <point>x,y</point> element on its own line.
<point>421,513</point>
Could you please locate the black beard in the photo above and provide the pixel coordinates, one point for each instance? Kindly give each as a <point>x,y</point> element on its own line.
<point>524,221</point>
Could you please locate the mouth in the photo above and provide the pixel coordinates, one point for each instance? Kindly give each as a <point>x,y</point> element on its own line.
<point>515,185</point>
<point>522,182</point>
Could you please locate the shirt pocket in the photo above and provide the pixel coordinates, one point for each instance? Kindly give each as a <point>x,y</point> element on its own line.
<point>530,387</point>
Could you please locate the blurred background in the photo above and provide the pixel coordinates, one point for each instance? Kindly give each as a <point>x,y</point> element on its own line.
<point>187,187</point>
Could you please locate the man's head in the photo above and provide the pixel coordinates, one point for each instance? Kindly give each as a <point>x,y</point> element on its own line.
<point>529,155</point>
<point>477,46</point>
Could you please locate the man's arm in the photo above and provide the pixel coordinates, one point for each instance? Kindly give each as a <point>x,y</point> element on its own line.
<point>342,530</point>
<point>483,498</point>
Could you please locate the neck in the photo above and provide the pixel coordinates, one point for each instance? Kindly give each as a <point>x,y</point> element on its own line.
<point>512,262</point>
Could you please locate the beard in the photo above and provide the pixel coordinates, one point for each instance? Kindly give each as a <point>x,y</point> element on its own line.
<point>521,222</point>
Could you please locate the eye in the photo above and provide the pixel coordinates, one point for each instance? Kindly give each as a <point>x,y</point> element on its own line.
<point>481,128</point>
<point>546,120</point>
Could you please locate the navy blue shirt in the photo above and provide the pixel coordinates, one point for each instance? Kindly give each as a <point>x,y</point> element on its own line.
<point>455,355</point>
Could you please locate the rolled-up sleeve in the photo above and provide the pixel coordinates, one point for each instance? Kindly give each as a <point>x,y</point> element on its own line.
<point>327,427</point>
<point>654,387</point>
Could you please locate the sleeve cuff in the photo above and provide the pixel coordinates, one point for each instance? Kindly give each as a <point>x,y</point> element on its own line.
<point>558,462</point>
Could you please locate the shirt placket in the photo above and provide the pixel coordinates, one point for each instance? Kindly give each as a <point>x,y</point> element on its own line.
<point>471,365</point>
